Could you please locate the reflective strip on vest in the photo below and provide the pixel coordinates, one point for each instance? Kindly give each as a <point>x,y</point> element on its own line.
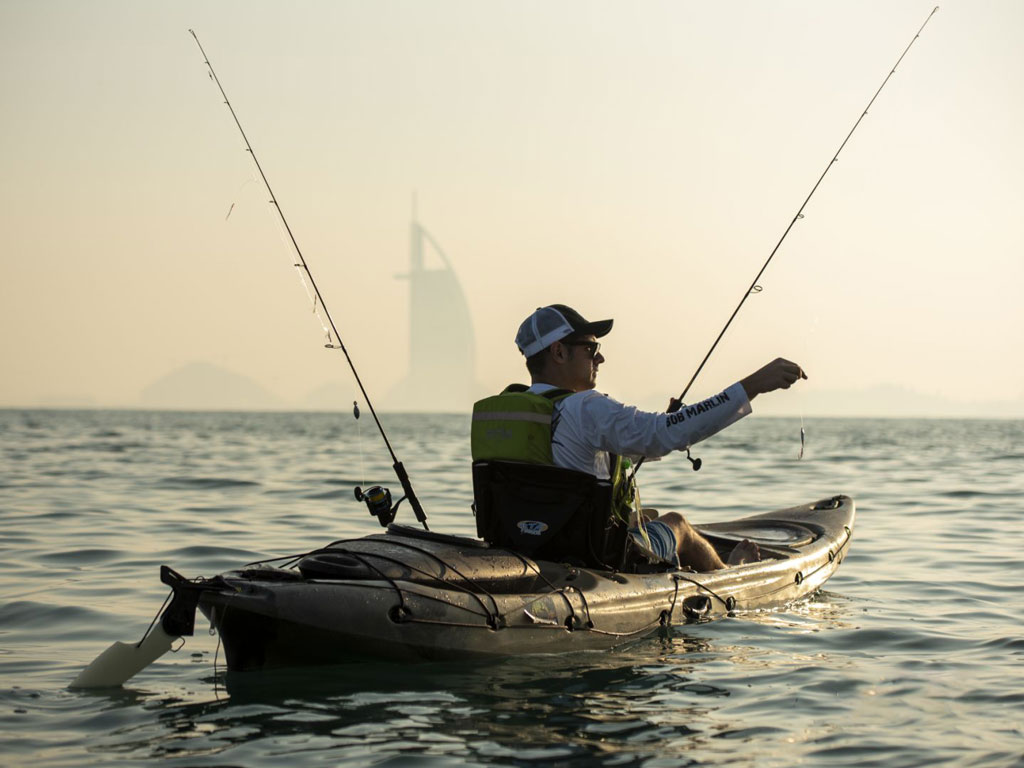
<point>537,418</point>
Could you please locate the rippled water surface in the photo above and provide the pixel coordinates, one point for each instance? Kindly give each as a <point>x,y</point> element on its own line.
<point>914,655</point>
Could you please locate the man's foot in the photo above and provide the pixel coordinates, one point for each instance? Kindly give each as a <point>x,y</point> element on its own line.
<point>744,552</point>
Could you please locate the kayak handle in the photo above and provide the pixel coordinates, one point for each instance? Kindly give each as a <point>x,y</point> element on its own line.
<point>180,617</point>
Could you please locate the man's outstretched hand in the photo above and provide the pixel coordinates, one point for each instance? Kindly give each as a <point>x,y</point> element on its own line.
<point>778,374</point>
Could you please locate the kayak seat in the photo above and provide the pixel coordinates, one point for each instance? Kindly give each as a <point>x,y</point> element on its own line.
<point>548,513</point>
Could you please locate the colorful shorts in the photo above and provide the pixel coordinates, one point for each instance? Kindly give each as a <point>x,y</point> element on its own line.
<point>663,540</point>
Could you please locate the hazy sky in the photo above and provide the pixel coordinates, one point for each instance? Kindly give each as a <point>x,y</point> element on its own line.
<point>637,160</point>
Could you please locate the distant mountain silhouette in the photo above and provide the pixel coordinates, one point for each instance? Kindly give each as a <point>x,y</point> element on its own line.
<point>883,400</point>
<point>66,401</point>
<point>334,395</point>
<point>206,387</point>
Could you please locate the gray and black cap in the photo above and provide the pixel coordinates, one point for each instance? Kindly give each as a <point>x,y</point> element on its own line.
<point>554,323</point>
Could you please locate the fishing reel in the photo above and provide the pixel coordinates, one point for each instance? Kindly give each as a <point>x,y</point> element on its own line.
<point>674,404</point>
<point>378,501</point>
<point>696,463</point>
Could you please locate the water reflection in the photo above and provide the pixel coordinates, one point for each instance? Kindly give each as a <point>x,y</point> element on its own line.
<point>535,710</point>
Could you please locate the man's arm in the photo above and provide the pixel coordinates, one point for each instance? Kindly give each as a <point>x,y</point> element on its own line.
<point>611,426</point>
<point>608,425</point>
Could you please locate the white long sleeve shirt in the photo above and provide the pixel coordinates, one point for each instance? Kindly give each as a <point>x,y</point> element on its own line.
<point>587,426</point>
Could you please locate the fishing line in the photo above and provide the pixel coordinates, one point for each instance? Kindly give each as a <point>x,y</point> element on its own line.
<point>359,442</point>
<point>755,287</point>
<point>238,193</point>
<point>801,394</point>
<point>311,292</point>
<point>333,341</point>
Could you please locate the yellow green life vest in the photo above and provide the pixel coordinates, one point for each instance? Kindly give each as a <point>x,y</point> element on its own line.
<point>516,426</point>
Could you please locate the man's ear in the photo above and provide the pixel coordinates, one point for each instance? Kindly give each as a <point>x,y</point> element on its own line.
<point>558,352</point>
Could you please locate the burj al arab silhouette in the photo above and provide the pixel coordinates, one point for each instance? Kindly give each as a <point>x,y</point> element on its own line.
<point>442,349</point>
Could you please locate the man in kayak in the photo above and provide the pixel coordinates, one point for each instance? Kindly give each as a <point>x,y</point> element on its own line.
<point>591,431</point>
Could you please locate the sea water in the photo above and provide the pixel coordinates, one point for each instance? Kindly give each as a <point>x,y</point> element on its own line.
<point>912,655</point>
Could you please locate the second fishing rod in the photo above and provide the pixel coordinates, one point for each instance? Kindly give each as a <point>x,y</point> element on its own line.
<point>377,499</point>
<point>676,403</point>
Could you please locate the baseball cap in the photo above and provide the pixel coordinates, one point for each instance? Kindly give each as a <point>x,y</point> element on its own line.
<point>553,323</point>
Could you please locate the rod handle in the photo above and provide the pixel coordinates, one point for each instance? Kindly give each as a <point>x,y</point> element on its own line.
<point>410,494</point>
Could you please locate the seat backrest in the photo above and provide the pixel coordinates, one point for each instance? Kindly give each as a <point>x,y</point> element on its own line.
<point>548,513</point>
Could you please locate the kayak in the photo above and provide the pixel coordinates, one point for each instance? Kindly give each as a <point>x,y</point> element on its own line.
<point>412,595</point>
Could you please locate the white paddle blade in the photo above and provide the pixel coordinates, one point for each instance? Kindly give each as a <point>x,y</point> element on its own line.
<point>122,661</point>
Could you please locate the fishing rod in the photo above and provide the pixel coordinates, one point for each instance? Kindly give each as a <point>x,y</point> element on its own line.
<point>676,403</point>
<point>377,499</point>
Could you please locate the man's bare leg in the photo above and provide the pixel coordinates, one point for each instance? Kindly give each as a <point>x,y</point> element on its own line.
<point>696,551</point>
<point>692,548</point>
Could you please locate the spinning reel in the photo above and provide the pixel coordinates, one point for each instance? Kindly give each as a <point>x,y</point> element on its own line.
<point>378,501</point>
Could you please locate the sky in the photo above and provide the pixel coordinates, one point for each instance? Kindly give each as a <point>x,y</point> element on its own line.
<point>634,160</point>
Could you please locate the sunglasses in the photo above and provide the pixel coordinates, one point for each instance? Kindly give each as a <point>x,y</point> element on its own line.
<point>592,347</point>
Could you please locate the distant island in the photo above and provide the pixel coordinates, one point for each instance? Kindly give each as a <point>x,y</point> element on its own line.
<point>889,400</point>
<point>884,400</point>
<point>207,387</point>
